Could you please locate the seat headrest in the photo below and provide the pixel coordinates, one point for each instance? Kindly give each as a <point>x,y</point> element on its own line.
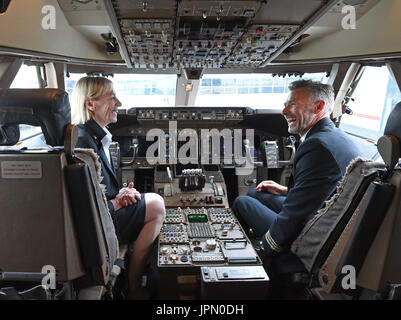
<point>47,108</point>
<point>389,145</point>
<point>393,126</point>
<point>9,134</point>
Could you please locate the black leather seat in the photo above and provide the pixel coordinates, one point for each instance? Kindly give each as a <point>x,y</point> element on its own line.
<point>346,232</point>
<point>45,220</point>
<point>381,269</point>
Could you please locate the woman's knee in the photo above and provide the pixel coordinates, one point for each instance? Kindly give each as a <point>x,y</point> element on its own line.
<point>155,207</point>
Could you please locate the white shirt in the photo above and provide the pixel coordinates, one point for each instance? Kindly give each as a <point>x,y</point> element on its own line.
<point>106,143</point>
<point>302,138</point>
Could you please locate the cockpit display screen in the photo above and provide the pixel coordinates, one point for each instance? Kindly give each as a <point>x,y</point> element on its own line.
<point>192,218</point>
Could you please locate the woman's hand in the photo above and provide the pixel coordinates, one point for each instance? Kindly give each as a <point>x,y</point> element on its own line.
<point>272,187</point>
<point>126,197</point>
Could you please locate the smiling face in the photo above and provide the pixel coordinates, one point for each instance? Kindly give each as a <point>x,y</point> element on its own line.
<point>104,109</point>
<point>301,114</point>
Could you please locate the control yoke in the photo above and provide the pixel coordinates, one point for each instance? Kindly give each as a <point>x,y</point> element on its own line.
<point>290,146</point>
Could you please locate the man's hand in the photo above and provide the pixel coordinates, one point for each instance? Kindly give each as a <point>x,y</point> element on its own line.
<point>126,197</point>
<point>272,187</point>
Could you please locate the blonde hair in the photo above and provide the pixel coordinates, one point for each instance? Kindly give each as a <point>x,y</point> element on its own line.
<point>87,87</point>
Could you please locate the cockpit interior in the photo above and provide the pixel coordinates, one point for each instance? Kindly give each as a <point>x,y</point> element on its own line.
<point>202,85</point>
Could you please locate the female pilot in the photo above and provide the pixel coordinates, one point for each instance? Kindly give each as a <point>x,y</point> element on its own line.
<point>137,217</point>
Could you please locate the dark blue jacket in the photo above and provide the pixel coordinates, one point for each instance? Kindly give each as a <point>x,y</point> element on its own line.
<point>319,164</point>
<point>90,136</point>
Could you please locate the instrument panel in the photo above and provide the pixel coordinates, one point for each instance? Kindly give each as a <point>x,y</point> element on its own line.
<point>168,114</point>
<point>187,113</point>
<point>194,237</point>
<point>205,34</point>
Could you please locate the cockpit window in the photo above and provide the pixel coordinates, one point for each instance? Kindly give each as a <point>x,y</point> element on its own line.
<point>27,78</point>
<point>259,91</point>
<point>375,96</point>
<point>138,90</point>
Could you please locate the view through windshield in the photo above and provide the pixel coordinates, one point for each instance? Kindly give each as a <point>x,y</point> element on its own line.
<point>252,90</point>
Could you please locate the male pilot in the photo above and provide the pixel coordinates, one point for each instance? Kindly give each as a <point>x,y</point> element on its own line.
<point>278,213</point>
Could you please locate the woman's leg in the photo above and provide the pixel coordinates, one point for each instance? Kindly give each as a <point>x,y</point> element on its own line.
<point>154,217</point>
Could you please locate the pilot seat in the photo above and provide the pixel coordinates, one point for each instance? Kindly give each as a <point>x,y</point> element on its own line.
<point>57,239</point>
<point>352,247</point>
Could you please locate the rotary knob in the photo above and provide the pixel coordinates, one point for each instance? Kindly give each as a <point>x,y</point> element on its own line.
<point>173,257</point>
<point>211,244</point>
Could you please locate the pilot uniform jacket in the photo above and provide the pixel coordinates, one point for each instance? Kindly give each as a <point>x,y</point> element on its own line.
<point>90,136</point>
<point>319,164</point>
<point>128,221</point>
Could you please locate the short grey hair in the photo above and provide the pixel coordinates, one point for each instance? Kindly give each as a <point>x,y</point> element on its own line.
<point>317,91</point>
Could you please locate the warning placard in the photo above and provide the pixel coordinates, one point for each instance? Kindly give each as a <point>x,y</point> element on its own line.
<point>21,169</point>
